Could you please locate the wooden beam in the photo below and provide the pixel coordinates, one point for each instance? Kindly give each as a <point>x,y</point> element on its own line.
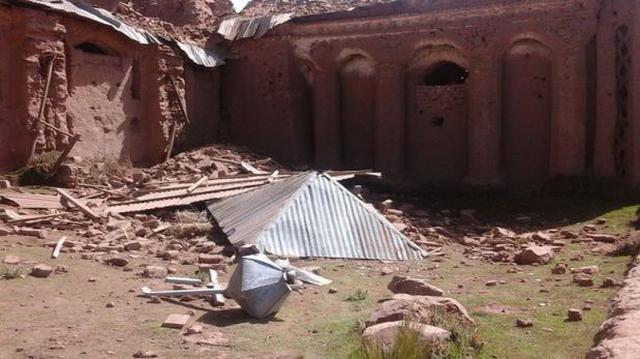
<point>83,208</point>
<point>64,154</point>
<point>194,186</point>
<point>58,247</point>
<point>181,102</point>
<point>172,140</point>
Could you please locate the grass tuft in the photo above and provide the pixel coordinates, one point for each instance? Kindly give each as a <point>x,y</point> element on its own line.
<point>7,273</point>
<point>358,296</point>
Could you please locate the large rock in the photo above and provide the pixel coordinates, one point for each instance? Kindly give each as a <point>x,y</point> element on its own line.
<point>41,271</point>
<point>413,286</point>
<point>384,335</point>
<point>418,309</point>
<point>534,254</point>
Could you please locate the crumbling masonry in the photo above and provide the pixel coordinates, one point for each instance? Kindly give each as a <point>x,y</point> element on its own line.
<point>483,92</point>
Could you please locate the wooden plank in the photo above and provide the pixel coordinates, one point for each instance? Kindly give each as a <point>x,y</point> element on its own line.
<point>36,218</point>
<point>172,140</point>
<point>181,101</point>
<point>58,247</point>
<point>197,184</point>
<point>83,208</point>
<point>249,168</point>
<point>32,200</point>
<point>64,154</point>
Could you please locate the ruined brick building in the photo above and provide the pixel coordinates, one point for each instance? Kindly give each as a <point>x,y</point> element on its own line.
<point>455,91</point>
<point>115,85</point>
<point>483,92</point>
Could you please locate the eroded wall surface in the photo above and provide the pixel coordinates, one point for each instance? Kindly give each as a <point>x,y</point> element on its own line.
<point>537,101</point>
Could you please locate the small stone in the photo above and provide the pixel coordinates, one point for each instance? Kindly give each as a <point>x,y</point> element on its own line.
<point>583,280</point>
<point>491,283</point>
<point>541,236</point>
<point>11,260</point>
<point>132,246</point>
<point>117,261</point>
<point>92,280</point>
<point>607,238</point>
<point>524,323</point>
<point>560,268</point>
<point>193,329</point>
<point>610,283</point>
<point>587,270</point>
<point>574,315</point>
<point>568,234</point>
<point>41,271</point>
<point>333,291</point>
<point>155,272</point>
<point>145,354</point>
<point>176,321</point>
<point>413,286</point>
<point>4,184</point>
<point>111,305</point>
<point>534,255</point>
<point>386,271</point>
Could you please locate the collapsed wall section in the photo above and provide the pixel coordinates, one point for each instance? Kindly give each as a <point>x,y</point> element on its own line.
<point>125,100</point>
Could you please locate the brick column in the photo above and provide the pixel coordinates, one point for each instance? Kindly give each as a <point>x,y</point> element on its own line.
<point>568,129</point>
<point>605,123</point>
<point>484,120</point>
<point>390,120</point>
<point>327,120</point>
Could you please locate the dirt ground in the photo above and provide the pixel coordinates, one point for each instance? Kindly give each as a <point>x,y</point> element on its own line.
<point>67,315</point>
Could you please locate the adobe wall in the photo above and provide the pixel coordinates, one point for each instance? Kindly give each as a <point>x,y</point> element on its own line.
<point>520,117</point>
<point>6,115</point>
<point>121,97</point>
<point>261,100</point>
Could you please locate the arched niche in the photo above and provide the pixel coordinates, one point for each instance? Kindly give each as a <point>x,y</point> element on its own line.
<point>357,83</point>
<point>527,111</point>
<point>437,123</point>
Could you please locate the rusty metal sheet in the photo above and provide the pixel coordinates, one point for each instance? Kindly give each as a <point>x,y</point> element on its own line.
<point>32,201</point>
<point>311,215</point>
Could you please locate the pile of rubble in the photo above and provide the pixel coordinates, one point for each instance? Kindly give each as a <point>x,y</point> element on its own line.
<point>491,243</point>
<point>117,215</point>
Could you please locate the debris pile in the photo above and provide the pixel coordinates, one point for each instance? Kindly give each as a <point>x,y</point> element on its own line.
<point>123,216</point>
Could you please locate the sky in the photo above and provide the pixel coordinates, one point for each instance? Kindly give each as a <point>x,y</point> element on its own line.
<point>239,4</point>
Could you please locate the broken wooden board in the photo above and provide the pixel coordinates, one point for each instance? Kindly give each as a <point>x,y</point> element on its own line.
<point>32,200</point>
<point>81,206</point>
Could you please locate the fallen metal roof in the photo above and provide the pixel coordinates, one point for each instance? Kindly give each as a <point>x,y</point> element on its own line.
<point>86,11</point>
<point>311,215</point>
<point>238,28</point>
<point>200,56</point>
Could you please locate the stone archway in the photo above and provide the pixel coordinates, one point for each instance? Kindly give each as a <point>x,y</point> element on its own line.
<point>437,111</point>
<point>357,81</point>
<point>527,111</point>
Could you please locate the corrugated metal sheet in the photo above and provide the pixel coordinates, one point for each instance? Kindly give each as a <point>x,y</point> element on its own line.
<point>311,215</point>
<point>200,56</point>
<point>238,28</point>
<point>101,16</point>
